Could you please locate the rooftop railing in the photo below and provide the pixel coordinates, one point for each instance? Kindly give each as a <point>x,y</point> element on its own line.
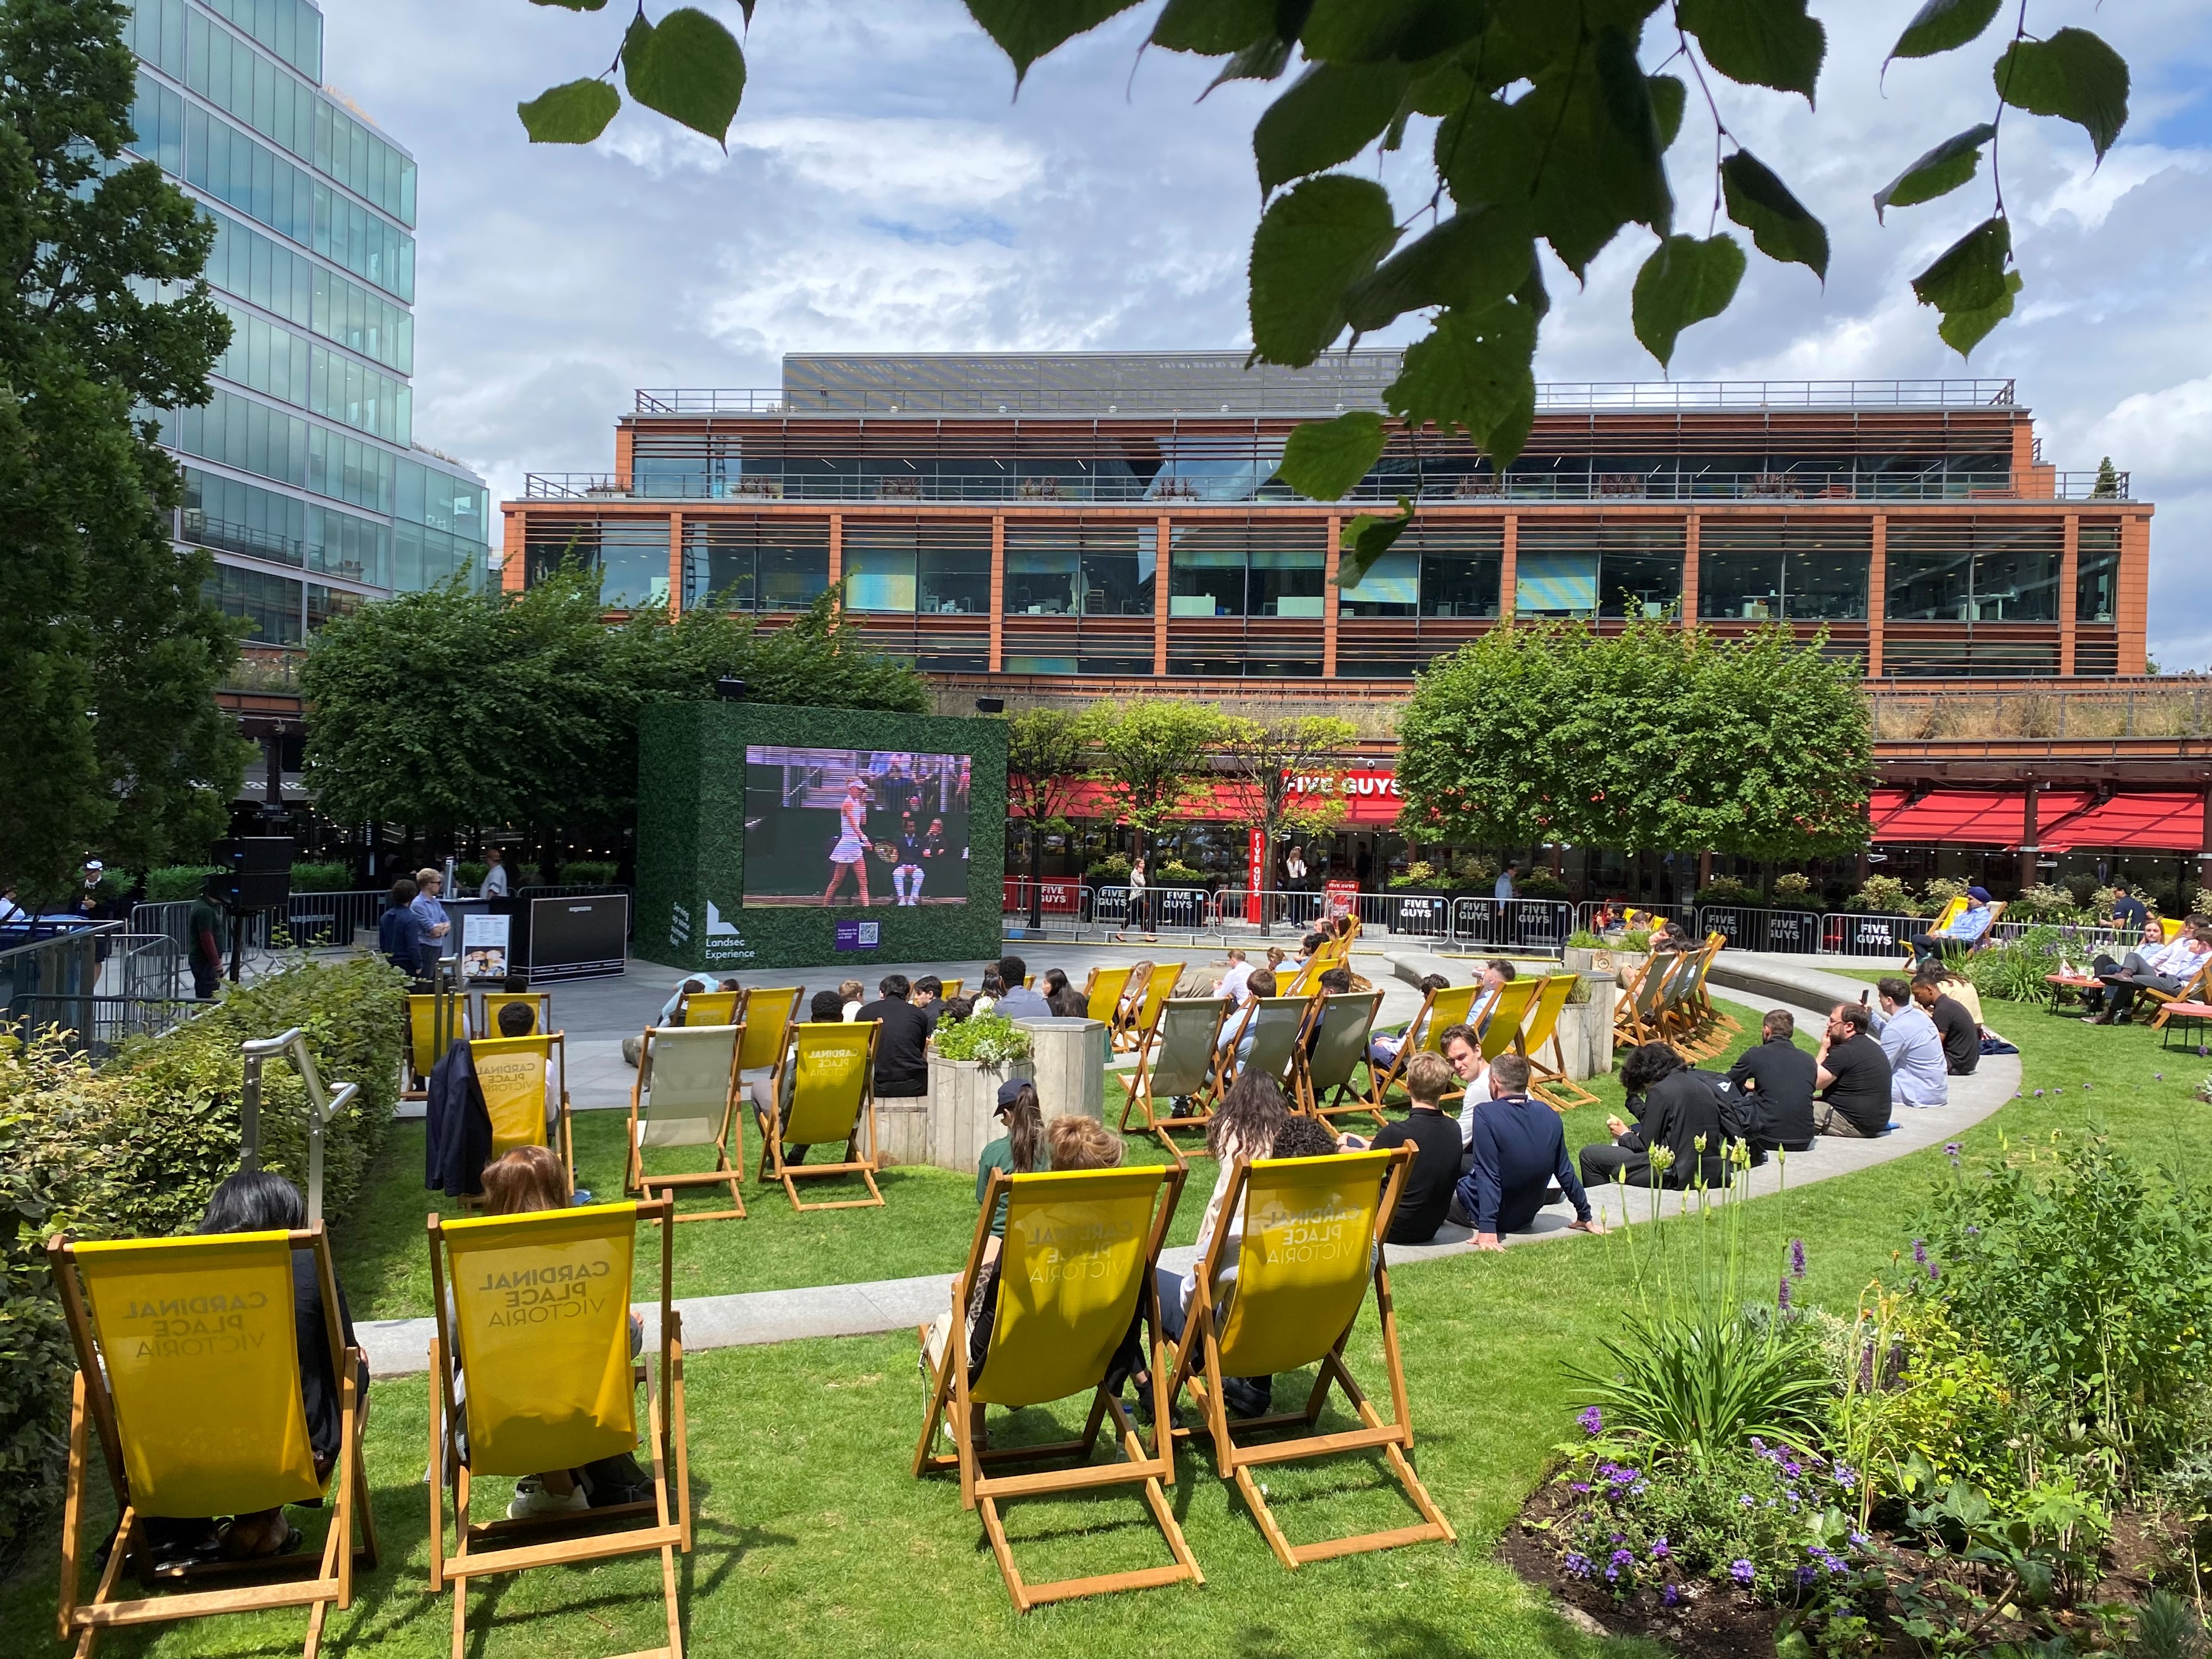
<point>1228,396</point>
<point>1179,492</point>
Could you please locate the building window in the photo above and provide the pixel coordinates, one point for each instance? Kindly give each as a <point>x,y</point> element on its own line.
<point>1600,570</point>
<point>1042,573</point>
<point>1433,570</point>
<point>1247,570</point>
<point>755,564</point>
<point>271,603</point>
<point>2097,574</point>
<point>936,569</point>
<point>1776,571</point>
<point>1964,571</point>
<point>630,554</point>
<point>327,604</point>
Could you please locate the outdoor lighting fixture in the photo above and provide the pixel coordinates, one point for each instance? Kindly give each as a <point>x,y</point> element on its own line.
<point>990,705</point>
<point>729,688</point>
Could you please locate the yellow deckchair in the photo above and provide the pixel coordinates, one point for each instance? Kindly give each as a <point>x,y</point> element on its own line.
<point>539,1329</point>
<point>833,1091</point>
<point>489,1002</point>
<point>686,1095</point>
<point>1183,1065</point>
<point>1075,1270</point>
<point>769,1014</point>
<point>1440,1011</point>
<point>188,1368</point>
<point>950,988</point>
<point>1104,992</point>
<point>1499,1019</point>
<point>1312,1244</point>
<point>1299,979</point>
<point>709,1007</point>
<point>1139,1025</point>
<point>510,1071</point>
<point>423,1056</point>
<point>1549,1081</point>
<point>1340,1029</point>
<point>1952,910</point>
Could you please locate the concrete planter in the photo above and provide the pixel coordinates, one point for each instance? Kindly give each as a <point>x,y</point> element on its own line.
<point>956,1119</point>
<point>1586,1028</point>
<point>1617,965</point>
<point>1067,1058</point>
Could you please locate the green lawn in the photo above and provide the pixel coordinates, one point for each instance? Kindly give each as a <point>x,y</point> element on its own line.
<point>814,1536</point>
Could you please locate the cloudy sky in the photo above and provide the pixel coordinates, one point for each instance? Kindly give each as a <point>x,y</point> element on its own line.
<point>884,190</point>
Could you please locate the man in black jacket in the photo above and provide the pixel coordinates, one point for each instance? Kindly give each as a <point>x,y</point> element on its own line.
<point>901,1041</point>
<point>1676,1109</point>
<point>1779,1077</point>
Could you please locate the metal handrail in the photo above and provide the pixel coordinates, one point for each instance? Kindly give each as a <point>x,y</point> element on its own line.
<point>321,1106</point>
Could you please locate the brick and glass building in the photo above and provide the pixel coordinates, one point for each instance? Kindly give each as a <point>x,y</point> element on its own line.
<point>1072,526</point>
<point>302,473</point>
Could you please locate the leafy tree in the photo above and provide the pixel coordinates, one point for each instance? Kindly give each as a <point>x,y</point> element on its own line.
<point>1656,737</point>
<point>109,654</point>
<point>1152,756</point>
<point>1047,751</point>
<point>1550,130</point>
<point>1265,757</point>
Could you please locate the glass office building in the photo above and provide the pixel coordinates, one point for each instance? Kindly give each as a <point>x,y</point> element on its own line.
<point>301,473</point>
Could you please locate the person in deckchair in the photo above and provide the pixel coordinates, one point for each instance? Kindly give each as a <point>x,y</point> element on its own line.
<point>523,1181</point>
<point>827,1008</point>
<point>1383,1052</point>
<point>1260,984</point>
<point>1243,1126</point>
<point>256,1201</point>
<point>521,1020</point>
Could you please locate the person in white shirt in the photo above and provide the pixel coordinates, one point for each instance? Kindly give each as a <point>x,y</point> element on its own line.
<point>1504,890</point>
<point>2168,970</point>
<point>1462,1051</point>
<point>1231,988</point>
<point>495,881</point>
<point>11,913</point>
<point>1919,1074</point>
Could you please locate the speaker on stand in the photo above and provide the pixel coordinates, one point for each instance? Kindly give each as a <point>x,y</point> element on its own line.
<point>253,874</point>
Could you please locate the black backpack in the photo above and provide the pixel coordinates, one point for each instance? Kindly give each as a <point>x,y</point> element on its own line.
<point>1739,1112</point>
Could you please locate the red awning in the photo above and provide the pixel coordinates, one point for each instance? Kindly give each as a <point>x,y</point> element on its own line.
<point>1369,802</point>
<point>1949,817</point>
<point>2147,822</point>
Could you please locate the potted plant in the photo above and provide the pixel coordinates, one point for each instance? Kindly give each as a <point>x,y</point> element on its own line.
<point>969,1060</point>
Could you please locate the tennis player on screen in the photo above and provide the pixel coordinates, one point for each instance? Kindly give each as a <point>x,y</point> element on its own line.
<point>851,852</point>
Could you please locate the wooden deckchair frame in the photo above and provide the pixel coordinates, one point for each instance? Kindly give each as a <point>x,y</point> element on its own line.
<point>1432,1042</point>
<point>414,1084</point>
<point>757,1029</point>
<point>573,1538</point>
<point>2190,991</point>
<point>557,1051</point>
<point>1139,1083</point>
<point>1129,1007</point>
<point>1306,1089</point>
<point>772,1163</point>
<point>1673,1016</point>
<point>1095,989</point>
<point>1235,1461</point>
<point>1133,1030</point>
<point>1230,1068</point>
<point>290,1581</point>
<point>728,1169</point>
<point>949,1403</point>
<point>1548,1078</point>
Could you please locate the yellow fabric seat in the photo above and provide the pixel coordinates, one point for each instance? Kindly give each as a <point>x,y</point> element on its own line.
<point>1440,1011</point>
<point>833,1099</point>
<point>512,1073</point>
<point>1548,1078</point>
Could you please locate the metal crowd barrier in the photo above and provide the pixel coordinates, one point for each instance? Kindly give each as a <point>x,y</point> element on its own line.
<point>1586,912</point>
<point>1746,927</point>
<point>98,1025</point>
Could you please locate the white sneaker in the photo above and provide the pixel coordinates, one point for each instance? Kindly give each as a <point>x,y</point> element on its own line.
<point>531,1499</point>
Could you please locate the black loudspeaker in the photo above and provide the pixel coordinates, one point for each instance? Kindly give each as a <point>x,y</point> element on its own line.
<point>256,871</point>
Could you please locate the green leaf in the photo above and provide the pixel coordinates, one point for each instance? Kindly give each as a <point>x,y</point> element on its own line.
<point>1763,42</point>
<point>1780,227</point>
<point>1313,244</point>
<point>1669,98</point>
<point>575,113</point>
<point>1474,258</point>
<point>1371,31</point>
<point>1939,173</point>
<point>1325,458</point>
<point>574,5</point>
<point>1684,282</point>
<point>1969,275</point>
<point>689,67</point>
<point>1027,29</point>
<point>1474,371</point>
<point>1942,25</point>
<point>1328,115</point>
<point>1211,27</point>
<point>1366,538</point>
<point>2072,76</point>
<point>1962,331</point>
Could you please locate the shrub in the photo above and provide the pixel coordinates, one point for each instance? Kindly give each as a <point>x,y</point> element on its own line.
<point>1921,1404</point>
<point>1419,873</point>
<point>992,1038</point>
<point>1794,888</point>
<point>1882,895</point>
<point>1732,892</point>
<point>1940,890</point>
<point>470,874</point>
<point>1474,869</point>
<point>1583,939</point>
<point>1109,871</point>
<point>176,881</point>
<point>1637,939</point>
<point>2202,904</point>
<point>2015,969</point>
<point>322,878</point>
<point>2043,902</point>
<point>587,873</point>
<point>1538,884</point>
<point>1175,873</point>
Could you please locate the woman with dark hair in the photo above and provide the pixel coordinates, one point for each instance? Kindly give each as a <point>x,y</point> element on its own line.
<point>1677,1110</point>
<point>398,930</point>
<point>258,1201</point>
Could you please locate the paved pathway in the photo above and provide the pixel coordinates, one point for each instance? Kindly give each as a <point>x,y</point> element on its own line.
<point>399,1347</point>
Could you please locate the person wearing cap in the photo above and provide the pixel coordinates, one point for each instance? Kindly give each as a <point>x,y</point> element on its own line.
<point>1967,927</point>
<point>92,898</point>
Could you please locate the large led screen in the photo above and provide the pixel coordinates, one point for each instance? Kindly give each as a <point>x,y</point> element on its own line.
<point>854,828</point>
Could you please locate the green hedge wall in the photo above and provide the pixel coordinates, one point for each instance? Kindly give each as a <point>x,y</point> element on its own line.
<point>690,840</point>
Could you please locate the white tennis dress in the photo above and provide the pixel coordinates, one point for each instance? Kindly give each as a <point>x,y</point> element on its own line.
<point>852,845</point>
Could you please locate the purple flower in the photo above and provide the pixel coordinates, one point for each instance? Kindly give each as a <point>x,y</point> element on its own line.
<point>1624,1557</point>
<point>1741,1570</point>
<point>1797,1258</point>
<point>1745,1500</point>
<point>2158,1077</point>
<point>1952,1150</point>
<point>1846,1475</point>
<point>1579,1486</point>
<point>1577,1564</point>
<point>1781,1295</point>
<point>1792,1496</point>
<point>1858,1541</point>
<point>1640,1488</point>
<point>1807,1575</point>
<point>1836,1564</point>
<point>2039,1094</point>
<point>1659,1550</point>
<point>2085,1088</point>
<point>1612,1575</point>
<point>1593,1421</point>
<point>1793,1469</point>
<point>1671,1595</point>
<point>1920,1252</point>
<point>1758,1444</point>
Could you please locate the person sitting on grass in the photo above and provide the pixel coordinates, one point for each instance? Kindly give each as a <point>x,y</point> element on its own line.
<point>1778,1079</point>
<point>1382,1052</point>
<point>1519,1150</point>
<point>1243,1127</point>
<point>1959,1030</point>
<point>257,1201</point>
<point>525,1182</point>
<point>827,1008</point>
<point>1853,1074</point>
<point>1462,1052</point>
<point>1435,1140</point>
<point>1918,1074</point>
<point>1676,1110</point>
